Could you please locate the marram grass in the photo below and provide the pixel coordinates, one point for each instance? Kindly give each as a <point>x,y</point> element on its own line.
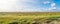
<point>29,19</point>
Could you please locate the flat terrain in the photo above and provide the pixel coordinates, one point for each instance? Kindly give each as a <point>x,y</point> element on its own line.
<point>29,17</point>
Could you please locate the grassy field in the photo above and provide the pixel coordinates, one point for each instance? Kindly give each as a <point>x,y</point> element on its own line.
<point>30,18</point>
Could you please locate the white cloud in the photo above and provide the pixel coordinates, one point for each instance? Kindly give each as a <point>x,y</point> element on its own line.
<point>15,5</point>
<point>53,4</point>
<point>22,5</point>
<point>53,7</point>
<point>7,5</point>
<point>27,6</point>
<point>46,2</point>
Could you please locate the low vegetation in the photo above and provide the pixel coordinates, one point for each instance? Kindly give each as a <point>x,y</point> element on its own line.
<point>17,18</point>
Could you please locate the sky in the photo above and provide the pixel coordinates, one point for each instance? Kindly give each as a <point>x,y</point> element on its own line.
<point>29,5</point>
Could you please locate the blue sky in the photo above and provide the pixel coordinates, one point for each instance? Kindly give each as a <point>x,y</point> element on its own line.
<point>29,5</point>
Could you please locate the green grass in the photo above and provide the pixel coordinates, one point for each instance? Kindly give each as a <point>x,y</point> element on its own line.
<point>23,18</point>
<point>26,19</point>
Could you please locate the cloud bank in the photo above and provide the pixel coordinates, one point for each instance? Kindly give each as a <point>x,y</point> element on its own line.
<point>7,5</point>
<point>25,6</point>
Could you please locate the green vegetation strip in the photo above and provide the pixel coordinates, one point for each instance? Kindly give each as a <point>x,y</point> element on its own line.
<point>28,19</point>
